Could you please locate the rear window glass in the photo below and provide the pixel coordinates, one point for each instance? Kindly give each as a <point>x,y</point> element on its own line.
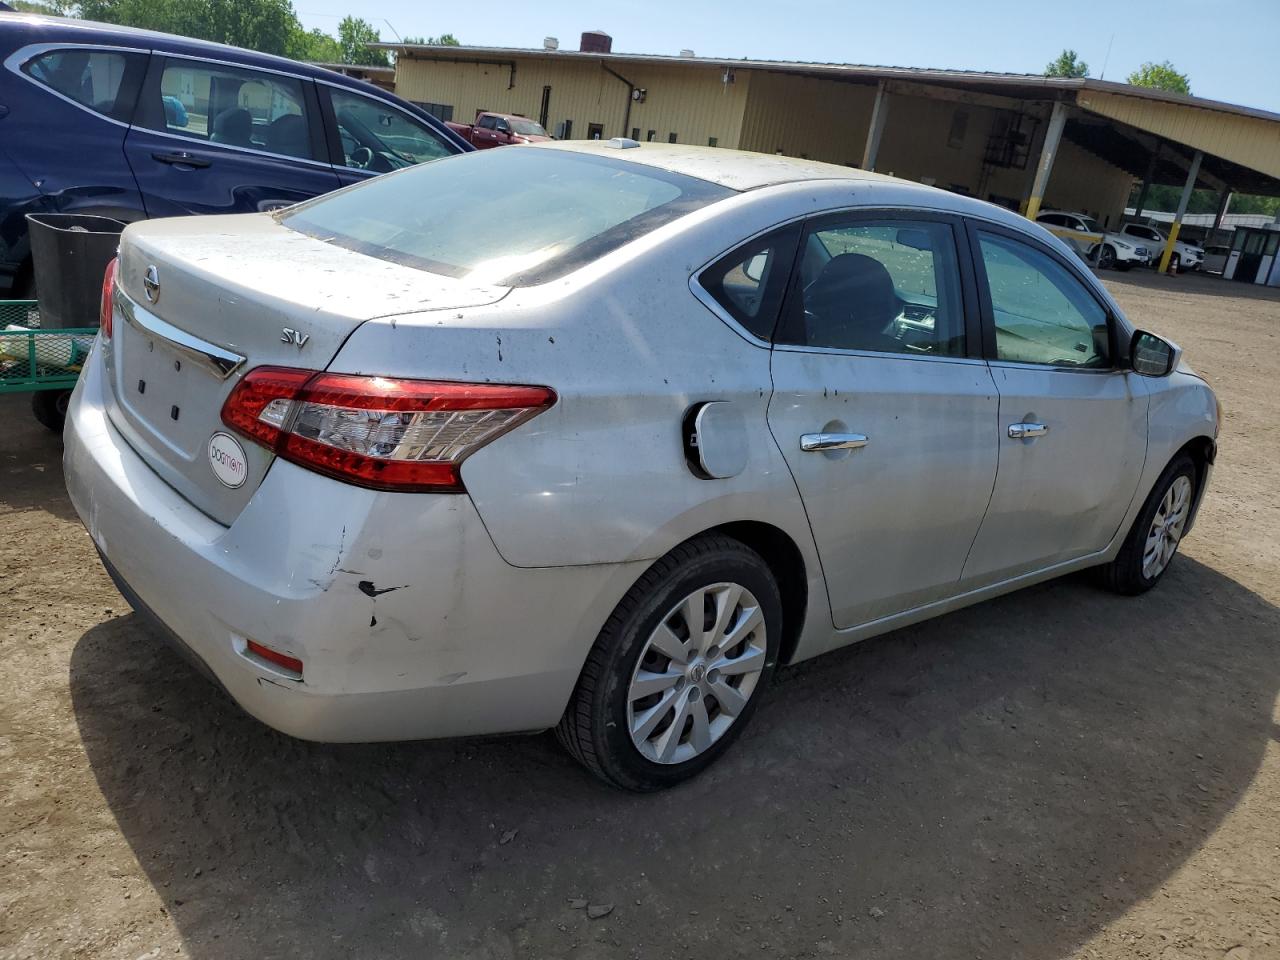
<point>92,78</point>
<point>515,216</point>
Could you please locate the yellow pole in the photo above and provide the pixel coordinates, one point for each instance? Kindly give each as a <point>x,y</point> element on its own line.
<point>1052,137</point>
<point>1190,185</point>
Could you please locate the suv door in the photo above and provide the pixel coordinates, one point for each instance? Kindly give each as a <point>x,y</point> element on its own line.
<point>215,138</point>
<point>1072,427</point>
<point>882,408</point>
<point>368,136</point>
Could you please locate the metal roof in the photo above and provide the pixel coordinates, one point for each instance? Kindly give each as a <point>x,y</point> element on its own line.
<point>1026,85</point>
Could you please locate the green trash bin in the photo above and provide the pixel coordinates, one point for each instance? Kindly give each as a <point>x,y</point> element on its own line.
<point>70,252</point>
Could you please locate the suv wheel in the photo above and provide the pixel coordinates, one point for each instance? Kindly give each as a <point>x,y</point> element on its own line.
<point>679,667</point>
<point>1107,259</point>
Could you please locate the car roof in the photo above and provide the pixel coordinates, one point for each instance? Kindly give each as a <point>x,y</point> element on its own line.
<point>735,169</point>
<point>45,29</point>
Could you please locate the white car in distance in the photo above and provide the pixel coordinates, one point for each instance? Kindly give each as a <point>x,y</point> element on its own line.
<point>594,436</point>
<point>1185,256</point>
<point>1095,245</point>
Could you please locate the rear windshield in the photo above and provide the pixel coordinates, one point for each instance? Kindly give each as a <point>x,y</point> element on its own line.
<point>514,216</point>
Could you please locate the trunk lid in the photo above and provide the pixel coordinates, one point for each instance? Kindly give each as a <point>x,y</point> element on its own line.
<point>228,294</point>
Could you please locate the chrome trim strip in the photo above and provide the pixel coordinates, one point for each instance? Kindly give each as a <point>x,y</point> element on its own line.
<point>222,363</point>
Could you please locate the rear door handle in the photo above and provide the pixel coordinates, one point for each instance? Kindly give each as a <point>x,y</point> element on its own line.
<point>1027,431</point>
<point>182,157</point>
<point>817,442</point>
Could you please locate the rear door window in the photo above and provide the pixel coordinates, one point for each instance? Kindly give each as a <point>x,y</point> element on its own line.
<point>234,107</point>
<point>104,81</point>
<point>379,138</point>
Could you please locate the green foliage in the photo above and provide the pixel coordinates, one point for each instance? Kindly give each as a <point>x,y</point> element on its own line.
<point>51,8</point>
<point>1067,64</point>
<point>354,37</point>
<point>265,25</point>
<point>1165,199</point>
<point>1161,76</point>
<point>314,46</point>
<point>444,40</point>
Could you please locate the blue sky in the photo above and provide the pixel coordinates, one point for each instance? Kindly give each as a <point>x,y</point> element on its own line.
<point>1228,48</point>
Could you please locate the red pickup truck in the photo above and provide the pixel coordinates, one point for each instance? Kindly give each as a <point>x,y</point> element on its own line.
<point>499,129</point>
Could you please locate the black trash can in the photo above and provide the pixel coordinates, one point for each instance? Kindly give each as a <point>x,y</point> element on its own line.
<point>70,252</point>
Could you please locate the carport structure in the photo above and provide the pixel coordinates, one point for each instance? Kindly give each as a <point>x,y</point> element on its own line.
<point>1023,141</point>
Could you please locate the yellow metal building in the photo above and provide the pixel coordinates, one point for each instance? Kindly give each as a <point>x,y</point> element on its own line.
<point>1025,142</point>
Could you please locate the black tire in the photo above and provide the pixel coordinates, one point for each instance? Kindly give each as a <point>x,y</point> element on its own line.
<point>594,728</point>
<point>1124,574</point>
<point>1107,258</point>
<point>50,408</point>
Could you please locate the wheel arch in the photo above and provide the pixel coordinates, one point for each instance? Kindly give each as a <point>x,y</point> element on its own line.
<point>1203,451</point>
<point>786,563</point>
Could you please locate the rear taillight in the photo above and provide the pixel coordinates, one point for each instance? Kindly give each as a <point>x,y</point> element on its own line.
<point>108,291</point>
<point>406,435</point>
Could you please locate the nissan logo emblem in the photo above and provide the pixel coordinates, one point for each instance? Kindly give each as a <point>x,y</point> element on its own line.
<point>151,283</point>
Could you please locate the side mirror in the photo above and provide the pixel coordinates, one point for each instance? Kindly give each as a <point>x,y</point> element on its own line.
<point>1152,356</point>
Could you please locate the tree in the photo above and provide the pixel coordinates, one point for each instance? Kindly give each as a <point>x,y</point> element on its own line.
<point>444,40</point>
<point>1067,64</point>
<point>1161,76</point>
<point>314,46</point>
<point>266,25</point>
<point>354,37</point>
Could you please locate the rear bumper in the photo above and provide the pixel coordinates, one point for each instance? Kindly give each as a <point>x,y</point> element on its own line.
<point>408,622</point>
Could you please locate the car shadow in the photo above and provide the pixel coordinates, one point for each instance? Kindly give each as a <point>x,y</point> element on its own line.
<point>30,463</point>
<point>999,782</point>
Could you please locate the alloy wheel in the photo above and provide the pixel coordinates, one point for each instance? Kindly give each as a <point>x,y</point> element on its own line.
<point>696,673</point>
<point>1167,527</point>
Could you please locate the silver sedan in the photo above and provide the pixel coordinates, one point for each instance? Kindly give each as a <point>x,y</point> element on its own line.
<point>595,436</point>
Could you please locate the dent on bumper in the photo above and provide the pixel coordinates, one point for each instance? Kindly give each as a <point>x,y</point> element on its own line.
<point>408,622</point>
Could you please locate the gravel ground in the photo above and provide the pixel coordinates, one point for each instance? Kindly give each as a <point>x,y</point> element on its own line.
<point>1058,773</point>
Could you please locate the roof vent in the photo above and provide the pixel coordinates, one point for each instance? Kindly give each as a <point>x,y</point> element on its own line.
<point>550,43</point>
<point>687,53</point>
<point>622,143</point>
<point>596,41</point>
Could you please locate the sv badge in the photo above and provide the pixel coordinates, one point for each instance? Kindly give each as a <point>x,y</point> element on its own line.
<point>296,337</point>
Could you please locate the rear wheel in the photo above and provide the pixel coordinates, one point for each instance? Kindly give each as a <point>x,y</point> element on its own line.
<point>678,669</point>
<point>1153,540</point>
<point>50,407</point>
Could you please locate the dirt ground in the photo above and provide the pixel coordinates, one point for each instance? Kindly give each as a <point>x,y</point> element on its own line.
<point>1059,773</point>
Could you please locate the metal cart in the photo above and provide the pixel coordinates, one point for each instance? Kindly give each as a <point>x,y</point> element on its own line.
<point>44,363</point>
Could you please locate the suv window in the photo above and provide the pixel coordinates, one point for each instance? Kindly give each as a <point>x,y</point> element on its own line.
<point>1147,233</point>
<point>890,286</point>
<point>378,137</point>
<point>1052,219</point>
<point>1043,314</point>
<point>235,107</point>
<point>749,283</point>
<point>92,78</point>
<point>488,123</point>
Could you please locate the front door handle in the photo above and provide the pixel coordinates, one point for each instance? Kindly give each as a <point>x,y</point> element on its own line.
<point>1027,431</point>
<point>180,158</point>
<point>817,442</point>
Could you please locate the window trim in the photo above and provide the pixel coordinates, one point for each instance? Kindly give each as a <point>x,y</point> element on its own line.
<point>145,118</point>
<point>973,352</point>
<point>24,55</point>
<point>709,300</point>
<point>973,226</point>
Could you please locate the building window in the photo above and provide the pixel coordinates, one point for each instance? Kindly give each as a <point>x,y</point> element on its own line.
<point>652,134</point>
<point>671,138</point>
<point>713,141</point>
<point>564,130</point>
<point>635,133</point>
<point>959,125</point>
<point>441,111</point>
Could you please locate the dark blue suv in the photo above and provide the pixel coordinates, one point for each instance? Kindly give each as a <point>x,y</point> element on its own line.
<point>132,124</point>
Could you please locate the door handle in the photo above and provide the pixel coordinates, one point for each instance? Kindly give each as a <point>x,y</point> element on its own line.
<point>182,157</point>
<point>1027,431</point>
<point>817,442</point>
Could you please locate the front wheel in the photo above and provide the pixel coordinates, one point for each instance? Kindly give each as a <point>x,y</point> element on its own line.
<point>1156,533</point>
<point>1107,259</point>
<point>678,669</point>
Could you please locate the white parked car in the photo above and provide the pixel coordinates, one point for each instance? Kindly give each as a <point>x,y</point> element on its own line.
<point>1186,256</point>
<point>1092,243</point>
<point>595,436</point>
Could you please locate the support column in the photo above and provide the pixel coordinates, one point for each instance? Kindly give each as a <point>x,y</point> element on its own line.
<point>879,114</point>
<point>1048,152</point>
<point>1182,211</point>
<point>1224,203</point>
<point>1146,182</point>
